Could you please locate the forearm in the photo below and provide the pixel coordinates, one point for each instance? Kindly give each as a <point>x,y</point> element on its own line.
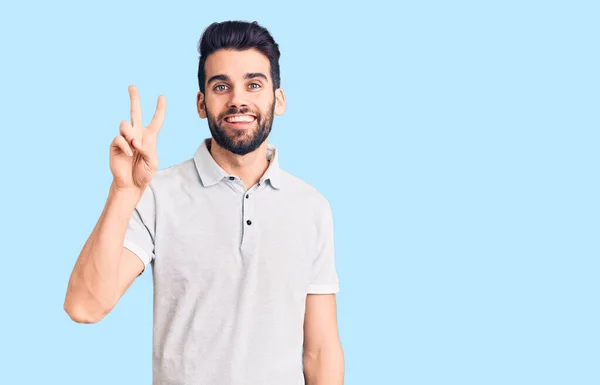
<point>92,288</point>
<point>324,367</point>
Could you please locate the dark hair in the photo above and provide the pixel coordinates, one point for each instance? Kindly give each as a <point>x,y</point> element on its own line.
<point>238,35</point>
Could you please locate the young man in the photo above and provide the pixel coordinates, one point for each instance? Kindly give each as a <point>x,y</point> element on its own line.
<point>242,252</point>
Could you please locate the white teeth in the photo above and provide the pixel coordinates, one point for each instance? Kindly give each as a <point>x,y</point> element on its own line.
<point>240,118</point>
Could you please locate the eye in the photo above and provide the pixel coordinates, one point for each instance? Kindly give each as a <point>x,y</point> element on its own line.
<point>218,88</point>
<point>254,84</point>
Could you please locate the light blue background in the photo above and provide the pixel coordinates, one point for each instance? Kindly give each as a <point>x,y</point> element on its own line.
<point>457,143</point>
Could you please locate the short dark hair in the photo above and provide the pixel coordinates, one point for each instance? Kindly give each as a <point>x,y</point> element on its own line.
<point>238,35</point>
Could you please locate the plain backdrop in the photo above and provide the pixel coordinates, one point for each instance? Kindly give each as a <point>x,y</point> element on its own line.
<point>457,143</point>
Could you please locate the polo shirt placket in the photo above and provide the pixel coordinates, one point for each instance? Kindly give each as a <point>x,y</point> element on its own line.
<point>250,227</point>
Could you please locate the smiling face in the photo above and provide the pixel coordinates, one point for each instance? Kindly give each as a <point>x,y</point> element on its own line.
<point>239,100</point>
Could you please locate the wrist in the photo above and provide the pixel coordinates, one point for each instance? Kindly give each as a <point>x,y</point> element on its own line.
<point>125,195</point>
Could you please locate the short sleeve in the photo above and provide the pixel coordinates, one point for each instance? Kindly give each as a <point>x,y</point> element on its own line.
<point>140,234</point>
<point>324,277</point>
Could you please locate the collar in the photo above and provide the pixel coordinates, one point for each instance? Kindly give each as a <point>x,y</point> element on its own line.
<point>211,173</point>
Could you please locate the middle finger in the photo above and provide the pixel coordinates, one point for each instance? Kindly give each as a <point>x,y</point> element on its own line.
<point>135,107</point>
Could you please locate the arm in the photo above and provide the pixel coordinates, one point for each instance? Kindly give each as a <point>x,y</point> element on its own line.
<point>104,269</point>
<point>323,356</point>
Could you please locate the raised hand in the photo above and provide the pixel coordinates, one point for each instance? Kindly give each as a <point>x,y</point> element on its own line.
<point>133,158</point>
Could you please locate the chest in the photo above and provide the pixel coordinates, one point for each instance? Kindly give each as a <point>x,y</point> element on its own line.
<point>237,241</point>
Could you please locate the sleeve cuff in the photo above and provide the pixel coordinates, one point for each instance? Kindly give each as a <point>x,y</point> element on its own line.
<point>137,250</point>
<point>331,288</point>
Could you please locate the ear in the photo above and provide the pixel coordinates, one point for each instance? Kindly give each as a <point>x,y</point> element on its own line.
<point>200,105</point>
<point>279,102</point>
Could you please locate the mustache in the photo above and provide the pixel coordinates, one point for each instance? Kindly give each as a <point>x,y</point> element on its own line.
<point>237,111</point>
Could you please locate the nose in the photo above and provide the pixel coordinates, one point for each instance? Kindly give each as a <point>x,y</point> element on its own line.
<point>238,98</point>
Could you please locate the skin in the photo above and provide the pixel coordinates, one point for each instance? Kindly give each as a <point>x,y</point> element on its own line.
<point>240,152</point>
<point>105,269</point>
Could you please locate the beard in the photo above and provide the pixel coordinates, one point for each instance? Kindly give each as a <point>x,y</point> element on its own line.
<point>241,142</point>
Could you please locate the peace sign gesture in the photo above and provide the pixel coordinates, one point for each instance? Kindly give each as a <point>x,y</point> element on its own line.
<point>133,158</point>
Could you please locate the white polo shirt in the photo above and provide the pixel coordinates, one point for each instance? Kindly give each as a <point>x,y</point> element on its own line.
<point>231,271</point>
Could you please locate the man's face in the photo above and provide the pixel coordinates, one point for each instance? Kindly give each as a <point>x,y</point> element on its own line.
<point>239,101</point>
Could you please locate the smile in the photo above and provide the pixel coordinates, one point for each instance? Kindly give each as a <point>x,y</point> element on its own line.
<point>240,119</point>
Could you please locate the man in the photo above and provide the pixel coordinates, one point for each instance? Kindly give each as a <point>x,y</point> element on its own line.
<point>242,252</point>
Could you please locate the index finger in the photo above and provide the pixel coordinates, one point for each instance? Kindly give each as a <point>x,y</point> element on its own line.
<point>135,108</point>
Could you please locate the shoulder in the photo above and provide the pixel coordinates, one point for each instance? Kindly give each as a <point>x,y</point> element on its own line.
<point>307,195</point>
<point>169,183</point>
<point>174,177</point>
<point>180,171</point>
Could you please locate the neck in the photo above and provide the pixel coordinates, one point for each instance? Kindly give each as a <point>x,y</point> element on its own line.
<point>249,168</point>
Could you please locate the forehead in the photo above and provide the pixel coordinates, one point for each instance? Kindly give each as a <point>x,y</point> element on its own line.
<point>236,64</point>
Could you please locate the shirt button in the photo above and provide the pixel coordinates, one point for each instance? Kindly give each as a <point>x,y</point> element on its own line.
<point>249,222</point>
<point>231,178</point>
<point>246,196</point>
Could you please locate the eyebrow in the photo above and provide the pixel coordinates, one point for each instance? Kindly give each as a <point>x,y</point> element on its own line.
<point>249,75</point>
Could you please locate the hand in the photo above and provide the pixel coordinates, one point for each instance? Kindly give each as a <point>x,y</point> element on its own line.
<point>133,158</point>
